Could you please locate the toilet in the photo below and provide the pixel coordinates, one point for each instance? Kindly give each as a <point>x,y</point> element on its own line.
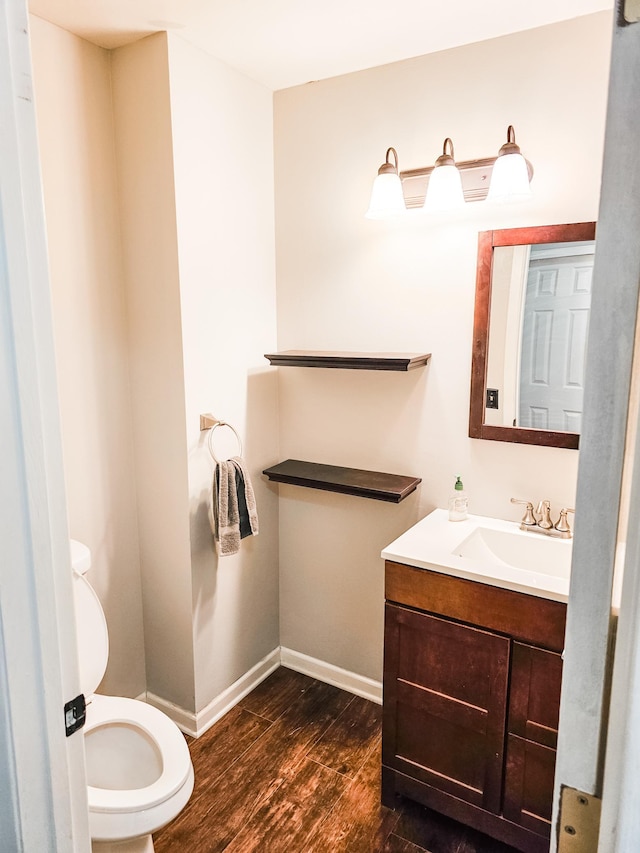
<point>139,771</point>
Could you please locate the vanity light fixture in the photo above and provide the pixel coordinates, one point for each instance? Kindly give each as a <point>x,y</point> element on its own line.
<point>387,199</point>
<point>510,177</point>
<point>444,191</point>
<point>502,178</point>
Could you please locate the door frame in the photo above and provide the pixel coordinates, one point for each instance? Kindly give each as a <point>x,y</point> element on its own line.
<point>41,768</point>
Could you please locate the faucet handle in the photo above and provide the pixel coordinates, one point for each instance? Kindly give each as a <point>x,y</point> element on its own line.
<point>544,510</point>
<point>563,525</point>
<point>528,519</point>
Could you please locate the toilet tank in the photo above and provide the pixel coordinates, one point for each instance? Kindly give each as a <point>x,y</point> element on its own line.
<point>80,557</point>
<point>91,626</point>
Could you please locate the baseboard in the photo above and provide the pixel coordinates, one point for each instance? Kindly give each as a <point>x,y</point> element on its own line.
<point>330,674</point>
<point>185,720</point>
<point>197,724</point>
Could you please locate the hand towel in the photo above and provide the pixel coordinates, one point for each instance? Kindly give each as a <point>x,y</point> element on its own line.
<point>247,508</point>
<point>233,506</point>
<point>224,506</point>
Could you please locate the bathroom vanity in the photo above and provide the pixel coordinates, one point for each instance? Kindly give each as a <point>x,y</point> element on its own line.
<point>472,674</point>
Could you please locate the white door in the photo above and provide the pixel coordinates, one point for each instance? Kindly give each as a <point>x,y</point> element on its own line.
<point>554,339</point>
<point>42,783</point>
<point>602,499</point>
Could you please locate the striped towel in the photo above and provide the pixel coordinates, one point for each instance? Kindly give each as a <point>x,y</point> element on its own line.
<point>234,514</point>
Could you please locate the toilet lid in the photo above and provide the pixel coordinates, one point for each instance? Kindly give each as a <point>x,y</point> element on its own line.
<point>93,639</point>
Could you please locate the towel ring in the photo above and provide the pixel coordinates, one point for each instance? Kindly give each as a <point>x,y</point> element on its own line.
<point>210,439</point>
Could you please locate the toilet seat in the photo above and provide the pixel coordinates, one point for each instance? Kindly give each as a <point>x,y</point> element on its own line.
<point>176,761</point>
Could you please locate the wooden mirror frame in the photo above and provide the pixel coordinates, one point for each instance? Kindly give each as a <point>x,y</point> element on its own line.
<point>487,242</point>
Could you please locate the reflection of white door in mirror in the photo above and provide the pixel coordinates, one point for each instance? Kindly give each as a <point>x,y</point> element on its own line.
<point>540,302</point>
<point>555,324</point>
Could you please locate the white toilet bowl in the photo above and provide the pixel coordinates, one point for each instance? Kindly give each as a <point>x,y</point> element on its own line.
<point>139,771</point>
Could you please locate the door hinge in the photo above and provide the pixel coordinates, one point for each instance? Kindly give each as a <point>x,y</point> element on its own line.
<point>579,821</point>
<point>631,11</point>
<point>75,713</point>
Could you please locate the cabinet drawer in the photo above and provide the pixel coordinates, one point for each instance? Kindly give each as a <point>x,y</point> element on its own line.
<point>528,784</point>
<point>534,697</point>
<point>524,617</point>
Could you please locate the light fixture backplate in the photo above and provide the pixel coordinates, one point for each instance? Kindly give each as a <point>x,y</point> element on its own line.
<point>475,175</point>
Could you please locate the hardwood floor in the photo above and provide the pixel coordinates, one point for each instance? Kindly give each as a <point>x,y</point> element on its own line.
<point>295,768</point>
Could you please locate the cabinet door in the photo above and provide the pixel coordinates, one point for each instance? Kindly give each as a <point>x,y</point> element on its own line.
<point>445,694</point>
<point>534,699</point>
<point>534,707</point>
<point>528,784</point>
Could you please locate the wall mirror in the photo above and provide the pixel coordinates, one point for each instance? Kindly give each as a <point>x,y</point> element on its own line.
<point>533,296</point>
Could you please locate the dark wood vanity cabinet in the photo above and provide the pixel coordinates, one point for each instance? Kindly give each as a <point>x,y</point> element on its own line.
<point>471,701</point>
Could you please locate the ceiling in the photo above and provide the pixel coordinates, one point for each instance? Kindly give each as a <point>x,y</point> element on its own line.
<point>283,43</point>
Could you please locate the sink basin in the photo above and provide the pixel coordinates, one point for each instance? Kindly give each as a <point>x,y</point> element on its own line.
<point>533,552</point>
<point>489,551</point>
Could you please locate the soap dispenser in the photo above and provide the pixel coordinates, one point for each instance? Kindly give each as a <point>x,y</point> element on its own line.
<point>458,502</point>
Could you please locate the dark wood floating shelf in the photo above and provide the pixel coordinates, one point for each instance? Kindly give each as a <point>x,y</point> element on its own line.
<point>348,481</point>
<point>401,361</point>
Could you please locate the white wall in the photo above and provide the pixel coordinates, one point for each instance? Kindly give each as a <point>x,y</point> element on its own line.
<point>222,125</point>
<point>75,127</point>
<point>195,155</point>
<point>163,269</point>
<point>348,283</point>
<point>144,153</point>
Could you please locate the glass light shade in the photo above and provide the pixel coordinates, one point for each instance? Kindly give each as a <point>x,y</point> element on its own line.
<point>387,199</point>
<point>444,190</point>
<point>510,179</point>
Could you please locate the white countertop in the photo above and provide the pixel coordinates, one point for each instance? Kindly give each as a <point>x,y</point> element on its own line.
<point>432,544</point>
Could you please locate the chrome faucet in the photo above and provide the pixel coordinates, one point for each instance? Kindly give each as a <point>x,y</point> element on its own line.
<point>540,520</point>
